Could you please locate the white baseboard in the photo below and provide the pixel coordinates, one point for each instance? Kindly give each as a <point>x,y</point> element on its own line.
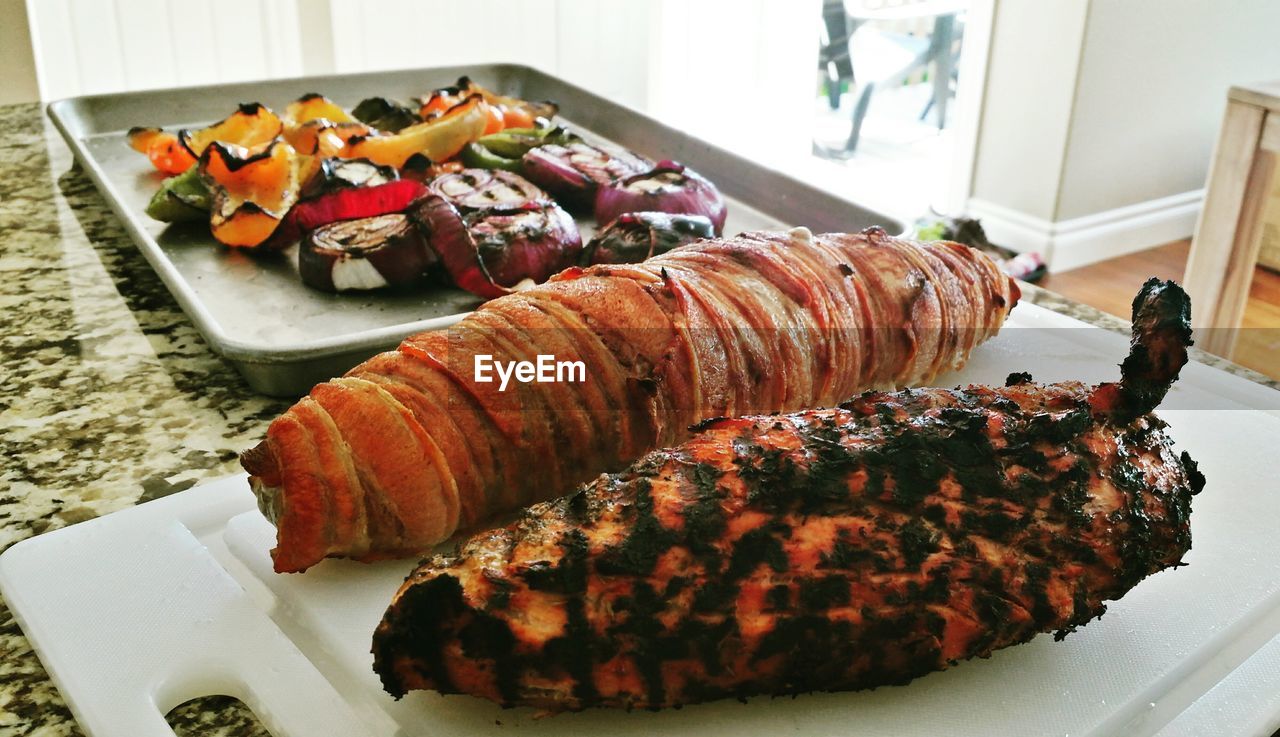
<point>1069,244</point>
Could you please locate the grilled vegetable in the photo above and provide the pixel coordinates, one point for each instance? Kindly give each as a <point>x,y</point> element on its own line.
<point>496,119</point>
<point>519,117</point>
<point>636,236</point>
<point>252,190</point>
<point>447,234</point>
<point>388,116</point>
<point>519,113</point>
<point>335,174</point>
<point>668,187</point>
<point>476,156</point>
<point>516,142</point>
<point>181,198</point>
<point>494,230</point>
<point>573,172</point>
<point>442,99</point>
<point>505,150</point>
<point>314,106</point>
<point>480,189</point>
<point>140,138</point>
<point>515,111</point>
<point>163,149</point>
<point>369,253</point>
<point>533,242</point>
<point>829,550</point>
<point>251,125</point>
<point>421,169</point>
<point>437,139</point>
<point>346,204</point>
<point>324,137</point>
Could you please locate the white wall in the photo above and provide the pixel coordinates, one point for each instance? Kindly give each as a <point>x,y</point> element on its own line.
<point>16,57</point>
<point>98,46</point>
<point>1030,89</point>
<point>1100,118</point>
<point>95,46</point>
<point>1152,89</point>
<point>600,45</point>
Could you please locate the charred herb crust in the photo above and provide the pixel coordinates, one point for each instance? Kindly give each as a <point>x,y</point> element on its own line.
<point>929,488</point>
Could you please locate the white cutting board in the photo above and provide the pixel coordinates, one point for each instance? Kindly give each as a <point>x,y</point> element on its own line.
<point>144,609</point>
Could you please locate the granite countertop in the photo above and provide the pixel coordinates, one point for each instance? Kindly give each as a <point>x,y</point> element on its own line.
<point>111,397</point>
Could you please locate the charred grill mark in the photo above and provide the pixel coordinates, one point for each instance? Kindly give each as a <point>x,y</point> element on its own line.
<point>434,603</point>
<point>574,651</point>
<point>489,638</point>
<point>759,546</point>
<point>641,623</point>
<point>779,598</point>
<point>648,539</point>
<point>703,519</point>
<point>918,541</point>
<point>821,594</point>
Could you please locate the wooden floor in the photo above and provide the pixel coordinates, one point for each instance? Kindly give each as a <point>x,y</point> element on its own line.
<point>1110,286</point>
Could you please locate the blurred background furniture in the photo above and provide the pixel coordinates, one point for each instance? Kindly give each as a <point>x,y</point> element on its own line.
<point>1236,218</point>
<point>865,46</point>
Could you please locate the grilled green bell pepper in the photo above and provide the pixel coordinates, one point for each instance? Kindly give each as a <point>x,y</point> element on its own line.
<point>478,156</point>
<point>181,198</point>
<point>503,150</point>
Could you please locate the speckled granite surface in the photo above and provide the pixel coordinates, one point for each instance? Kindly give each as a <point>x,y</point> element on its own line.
<point>109,397</point>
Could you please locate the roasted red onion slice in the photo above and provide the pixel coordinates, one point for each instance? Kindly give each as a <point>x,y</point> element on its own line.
<point>482,189</point>
<point>532,243</point>
<point>573,172</point>
<point>446,233</point>
<point>369,253</point>
<point>636,236</point>
<point>668,187</point>
<point>346,204</point>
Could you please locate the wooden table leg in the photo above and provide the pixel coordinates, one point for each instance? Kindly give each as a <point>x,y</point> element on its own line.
<point>1228,235</point>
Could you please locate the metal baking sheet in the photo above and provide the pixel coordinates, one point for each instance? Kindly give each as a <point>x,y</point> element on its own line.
<point>284,337</point>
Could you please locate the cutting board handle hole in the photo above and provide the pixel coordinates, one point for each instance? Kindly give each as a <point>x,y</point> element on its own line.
<point>217,714</point>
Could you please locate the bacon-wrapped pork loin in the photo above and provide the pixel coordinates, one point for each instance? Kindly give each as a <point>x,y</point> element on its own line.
<point>409,447</point>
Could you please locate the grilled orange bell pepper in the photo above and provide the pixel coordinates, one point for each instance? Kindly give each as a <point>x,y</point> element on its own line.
<point>140,139</point>
<point>323,136</point>
<point>252,189</point>
<point>314,106</point>
<point>163,149</point>
<point>438,139</point>
<point>252,124</point>
<point>495,119</point>
<point>168,155</point>
<point>514,112</point>
<point>518,117</point>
